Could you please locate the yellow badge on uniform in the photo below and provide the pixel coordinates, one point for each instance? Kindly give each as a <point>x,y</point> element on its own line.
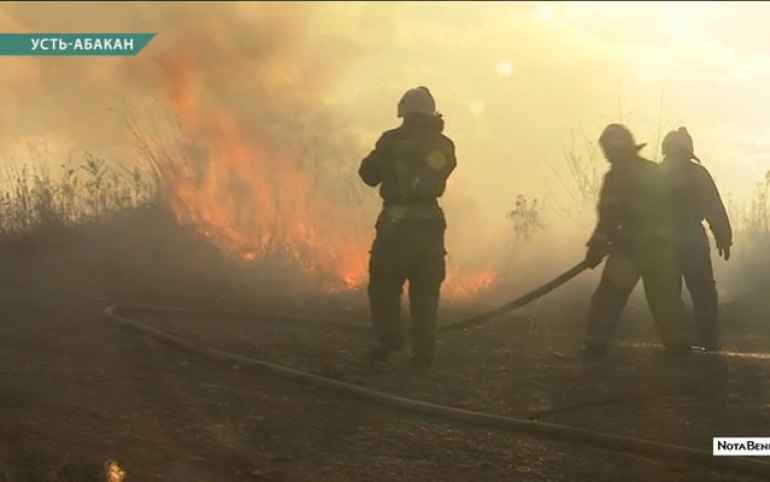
<point>437,160</point>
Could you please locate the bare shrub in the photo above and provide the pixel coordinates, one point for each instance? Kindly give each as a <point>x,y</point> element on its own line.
<point>526,216</point>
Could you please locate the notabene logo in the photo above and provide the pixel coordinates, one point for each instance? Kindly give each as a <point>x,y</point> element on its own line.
<point>749,445</point>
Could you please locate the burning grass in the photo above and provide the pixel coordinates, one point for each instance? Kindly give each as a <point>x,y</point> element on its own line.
<point>249,209</point>
<point>96,230</point>
<point>253,195</point>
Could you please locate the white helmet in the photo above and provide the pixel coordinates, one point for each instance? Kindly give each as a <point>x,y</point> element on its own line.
<point>418,100</point>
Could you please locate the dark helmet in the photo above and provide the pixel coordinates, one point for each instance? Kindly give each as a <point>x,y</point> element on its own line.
<point>679,142</point>
<point>417,101</point>
<point>617,136</point>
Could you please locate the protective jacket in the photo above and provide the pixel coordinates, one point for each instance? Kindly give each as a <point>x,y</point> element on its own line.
<point>411,165</point>
<point>632,207</point>
<point>696,198</point>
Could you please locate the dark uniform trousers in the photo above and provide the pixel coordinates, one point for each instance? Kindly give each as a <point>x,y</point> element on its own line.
<point>698,274</point>
<point>413,253</point>
<point>657,268</point>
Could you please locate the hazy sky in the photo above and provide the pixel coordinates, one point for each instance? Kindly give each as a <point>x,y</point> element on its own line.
<point>513,79</point>
<point>515,82</point>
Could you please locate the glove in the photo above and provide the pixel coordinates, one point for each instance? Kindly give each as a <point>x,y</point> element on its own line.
<point>598,247</point>
<point>724,252</point>
<point>594,255</point>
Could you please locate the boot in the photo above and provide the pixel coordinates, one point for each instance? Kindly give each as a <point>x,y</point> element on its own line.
<point>708,333</point>
<point>386,347</point>
<point>678,349</point>
<point>593,351</point>
<point>420,362</point>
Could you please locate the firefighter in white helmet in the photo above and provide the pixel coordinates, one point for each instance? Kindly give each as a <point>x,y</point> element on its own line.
<point>410,164</point>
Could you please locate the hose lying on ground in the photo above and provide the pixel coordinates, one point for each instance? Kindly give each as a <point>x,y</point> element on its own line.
<point>122,315</point>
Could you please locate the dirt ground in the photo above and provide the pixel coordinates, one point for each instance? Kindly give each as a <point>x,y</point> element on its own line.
<point>76,390</point>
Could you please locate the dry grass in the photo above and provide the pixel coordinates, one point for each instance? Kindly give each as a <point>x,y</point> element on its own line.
<point>749,274</point>
<point>34,198</point>
<point>112,213</point>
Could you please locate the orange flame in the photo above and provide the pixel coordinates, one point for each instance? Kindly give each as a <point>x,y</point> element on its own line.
<point>460,286</point>
<point>252,201</point>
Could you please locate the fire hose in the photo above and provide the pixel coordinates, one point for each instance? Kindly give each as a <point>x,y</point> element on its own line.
<point>533,295</point>
<point>125,316</point>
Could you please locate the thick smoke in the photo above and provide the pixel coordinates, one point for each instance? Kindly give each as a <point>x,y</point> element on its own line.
<point>255,61</point>
<point>277,70</point>
<point>316,84</point>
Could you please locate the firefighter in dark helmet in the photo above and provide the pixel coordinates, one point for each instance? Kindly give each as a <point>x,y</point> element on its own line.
<point>634,230</point>
<point>411,164</point>
<point>695,198</point>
